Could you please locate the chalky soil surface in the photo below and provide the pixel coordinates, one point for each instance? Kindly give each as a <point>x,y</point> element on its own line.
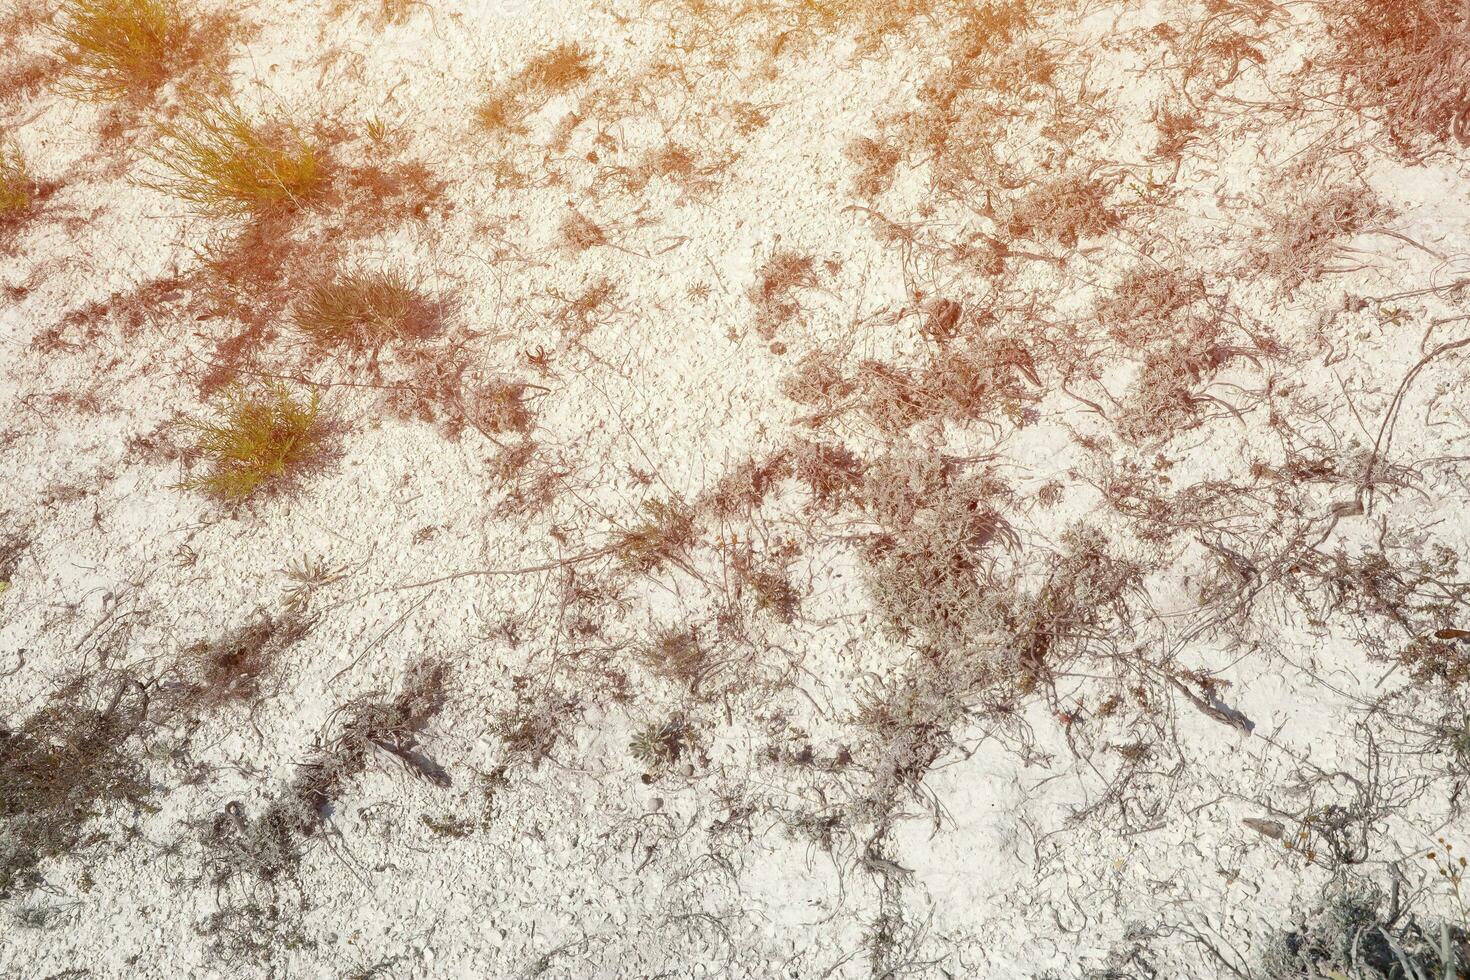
<point>764,489</point>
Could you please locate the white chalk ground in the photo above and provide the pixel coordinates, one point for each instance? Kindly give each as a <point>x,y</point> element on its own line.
<point>1011,861</point>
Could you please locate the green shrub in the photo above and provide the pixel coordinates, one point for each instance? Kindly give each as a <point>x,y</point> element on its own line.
<point>259,440</point>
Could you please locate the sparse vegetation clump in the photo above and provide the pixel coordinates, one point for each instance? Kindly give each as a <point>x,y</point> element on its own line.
<point>579,233</point>
<point>558,70</point>
<point>1150,305</point>
<point>663,537</point>
<point>659,745</point>
<point>1359,933</point>
<point>364,310</point>
<point>872,22</point>
<point>59,768</point>
<point>258,440</point>
<point>676,654</point>
<point>379,13</point>
<point>531,729</point>
<point>1169,395</point>
<point>932,556</point>
<point>235,668</point>
<point>222,163</point>
<point>499,406</point>
<point>269,846</point>
<point>13,545</point>
<point>875,163</point>
<point>1301,241</point>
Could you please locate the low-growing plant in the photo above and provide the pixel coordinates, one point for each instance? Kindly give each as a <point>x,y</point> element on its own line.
<point>222,163</point>
<point>116,48</point>
<point>660,744</point>
<point>690,169</point>
<point>1302,239</point>
<point>579,232</point>
<point>871,23</point>
<point>531,729</point>
<point>498,406</point>
<point>930,564</point>
<point>250,857</point>
<point>13,545</point>
<point>1063,210</point>
<point>558,70</point>
<point>1167,398</point>
<point>1150,305</point>
<point>766,580</point>
<point>453,390</point>
<point>875,163</point>
<point>364,310</point>
<point>306,575</point>
<point>258,440</point>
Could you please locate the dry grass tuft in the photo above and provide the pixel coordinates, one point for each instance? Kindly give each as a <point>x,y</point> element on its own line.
<point>25,68</point>
<point>1063,210</point>
<point>664,536</point>
<point>1407,59</point>
<point>223,164</point>
<point>676,654</point>
<point>876,163</point>
<point>118,48</point>
<point>974,375</point>
<point>365,310</point>
<point>13,544</point>
<point>15,183</point>
<point>554,73</point>
<point>258,441</point>
<point>531,729</point>
<point>1167,398</point>
<point>1178,128</point>
<point>1443,656</point>
<point>580,233</point>
<point>773,292</point>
